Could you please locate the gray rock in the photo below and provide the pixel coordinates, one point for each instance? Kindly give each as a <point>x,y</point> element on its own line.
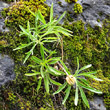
<point>93,10</point>
<point>6,69</point>
<point>97,104</point>
<point>2,24</point>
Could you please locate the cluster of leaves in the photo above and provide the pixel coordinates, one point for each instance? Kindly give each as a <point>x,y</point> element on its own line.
<point>38,34</point>
<point>78,8</point>
<point>43,68</point>
<point>80,82</point>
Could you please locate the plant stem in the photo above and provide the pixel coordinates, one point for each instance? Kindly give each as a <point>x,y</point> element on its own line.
<point>62,68</point>
<point>62,47</point>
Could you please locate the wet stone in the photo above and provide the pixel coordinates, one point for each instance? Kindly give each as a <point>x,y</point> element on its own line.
<point>6,69</point>
<point>2,24</point>
<point>93,10</point>
<point>97,104</point>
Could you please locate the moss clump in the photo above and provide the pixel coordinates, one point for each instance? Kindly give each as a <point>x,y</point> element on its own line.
<point>101,85</point>
<point>78,8</point>
<point>70,1</point>
<point>19,14</point>
<point>107,100</point>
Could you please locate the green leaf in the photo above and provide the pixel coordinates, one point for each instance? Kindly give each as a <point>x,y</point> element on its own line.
<point>67,94</point>
<point>42,73</point>
<point>51,38</point>
<point>84,97</point>
<point>63,31</point>
<point>57,72</point>
<point>39,84</point>
<point>36,59</point>
<point>54,82</point>
<point>89,73</point>
<point>89,88</point>
<point>91,76</point>
<point>27,56</point>
<point>76,96</point>
<point>65,67</point>
<point>29,53</point>
<point>60,88</point>
<point>24,30</point>
<point>36,20</point>
<point>46,83</point>
<point>85,67</point>
<point>31,12</point>
<point>41,17</point>
<point>51,13</point>
<point>76,72</point>
<point>84,81</point>
<point>32,74</point>
<point>42,51</point>
<point>60,18</point>
<point>22,46</point>
<point>49,41</point>
<point>54,60</point>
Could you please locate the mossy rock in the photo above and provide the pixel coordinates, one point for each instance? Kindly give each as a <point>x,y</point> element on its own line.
<point>19,14</point>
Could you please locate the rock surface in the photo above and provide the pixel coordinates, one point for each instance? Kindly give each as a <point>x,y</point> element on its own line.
<point>93,10</point>
<point>6,69</point>
<point>97,104</point>
<point>2,24</point>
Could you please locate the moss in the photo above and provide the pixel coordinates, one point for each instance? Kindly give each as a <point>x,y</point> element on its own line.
<point>70,1</point>
<point>91,46</point>
<point>107,100</point>
<point>101,85</point>
<point>19,14</point>
<point>70,103</point>
<point>78,8</point>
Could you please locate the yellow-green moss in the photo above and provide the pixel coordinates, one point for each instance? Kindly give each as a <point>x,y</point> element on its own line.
<point>18,14</point>
<point>70,1</point>
<point>78,8</point>
<point>107,100</point>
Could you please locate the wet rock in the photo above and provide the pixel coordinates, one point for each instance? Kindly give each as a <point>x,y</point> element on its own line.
<point>2,24</point>
<point>6,69</point>
<point>94,11</point>
<point>97,104</point>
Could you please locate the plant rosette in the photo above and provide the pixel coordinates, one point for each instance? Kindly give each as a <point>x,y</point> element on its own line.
<point>79,81</point>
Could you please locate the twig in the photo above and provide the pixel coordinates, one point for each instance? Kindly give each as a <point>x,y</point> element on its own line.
<point>62,47</point>
<point>62,68</point>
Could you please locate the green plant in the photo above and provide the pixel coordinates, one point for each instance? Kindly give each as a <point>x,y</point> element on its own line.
<point>43,68</point>
<point>39,35</point>
<point>78,8</point>
<point>80,81</point>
